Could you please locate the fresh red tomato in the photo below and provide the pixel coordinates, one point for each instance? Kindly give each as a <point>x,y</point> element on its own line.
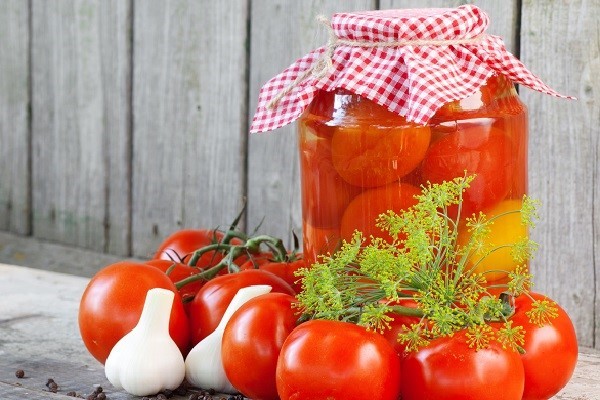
<point>209,305</point>
<point>178,273</point>
<point>180,245</point>
<point>363,211</point>
<point>484,151</point>
<point>550,350</point>
<point>253,337</point>
<point>283,269</point>
<point>112,304</point>
<point>337,361</point>
<point>448,369</point>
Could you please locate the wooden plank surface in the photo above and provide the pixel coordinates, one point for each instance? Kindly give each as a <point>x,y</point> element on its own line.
<point>80,127</point>
<point>41,254</point>
<point>44,341</point>
<point>281,32</point>
<point>14,117</point>
<point>190,125</point>
<point>560,41</point>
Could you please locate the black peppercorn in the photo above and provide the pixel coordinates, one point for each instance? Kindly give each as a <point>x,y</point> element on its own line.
<point>20,373</point>
<point>72,394</point>
<point>50,380</point>
<point>53,387</point>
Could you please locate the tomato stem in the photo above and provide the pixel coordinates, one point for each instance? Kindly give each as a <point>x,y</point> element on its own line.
<point>170,269</point>
<point>274,244</point>
<point>211,247</point>
<point>407,311</point>
<point>231,234</point>
<point>251,246</point>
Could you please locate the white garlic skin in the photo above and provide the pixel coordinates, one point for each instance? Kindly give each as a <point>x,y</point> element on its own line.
<point>146,360</point>
<point>204,366</point>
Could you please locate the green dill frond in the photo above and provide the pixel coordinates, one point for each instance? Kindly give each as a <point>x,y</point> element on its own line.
<point>419,248</point>
<point>529,211</point>
<point>471,287</point>
<point>523,250</point>
<point>329,288</point>
<point>414,337</point>
<point>391,289</point>
<point>425,217</point>
<point>375,317</point>
<point>445,194</point>
<point>479,336</point>
<point>348,253</point>
<point>520,281</point>
<point>321,294</point>
<point>383,262</point>
<point>542,312</point>
<point>490,308</point>
<point>445,320</point>
<point>512,337</point>
<point>479,228</point>
<point>389,222</point>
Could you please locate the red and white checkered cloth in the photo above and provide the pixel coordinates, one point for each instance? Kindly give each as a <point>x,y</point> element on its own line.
<point>412,80</point>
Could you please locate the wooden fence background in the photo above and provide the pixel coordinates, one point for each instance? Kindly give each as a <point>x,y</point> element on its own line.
<point>124,120</point>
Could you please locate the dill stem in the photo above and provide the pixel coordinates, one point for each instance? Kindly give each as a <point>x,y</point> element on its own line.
<point>407,311</point>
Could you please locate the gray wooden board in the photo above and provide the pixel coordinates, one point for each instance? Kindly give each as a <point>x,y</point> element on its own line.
<point>281,32</point>
<point>39,334</point>
<point>14,117</point>
<point>560,42</point>
<point>189,97</point>
<point>41,254</point>
<point>80,110</point>
<point>70,376</point>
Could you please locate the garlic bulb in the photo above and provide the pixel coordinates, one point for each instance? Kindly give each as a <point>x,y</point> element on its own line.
<point>203,365</point>
<point>146,360</point>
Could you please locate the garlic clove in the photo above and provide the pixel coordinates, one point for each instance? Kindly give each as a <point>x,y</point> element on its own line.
<point>203,365</point>
<point>146,360</point>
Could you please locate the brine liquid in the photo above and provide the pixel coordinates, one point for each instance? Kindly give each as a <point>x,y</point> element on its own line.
<point>358,160</point>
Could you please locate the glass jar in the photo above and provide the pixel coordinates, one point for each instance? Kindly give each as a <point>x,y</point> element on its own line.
<point>359,160</point>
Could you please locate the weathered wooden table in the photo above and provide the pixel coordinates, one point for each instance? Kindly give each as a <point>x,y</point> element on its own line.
<point>39,334</point>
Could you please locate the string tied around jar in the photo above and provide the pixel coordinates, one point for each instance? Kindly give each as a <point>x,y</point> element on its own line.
<point>323,65</point>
